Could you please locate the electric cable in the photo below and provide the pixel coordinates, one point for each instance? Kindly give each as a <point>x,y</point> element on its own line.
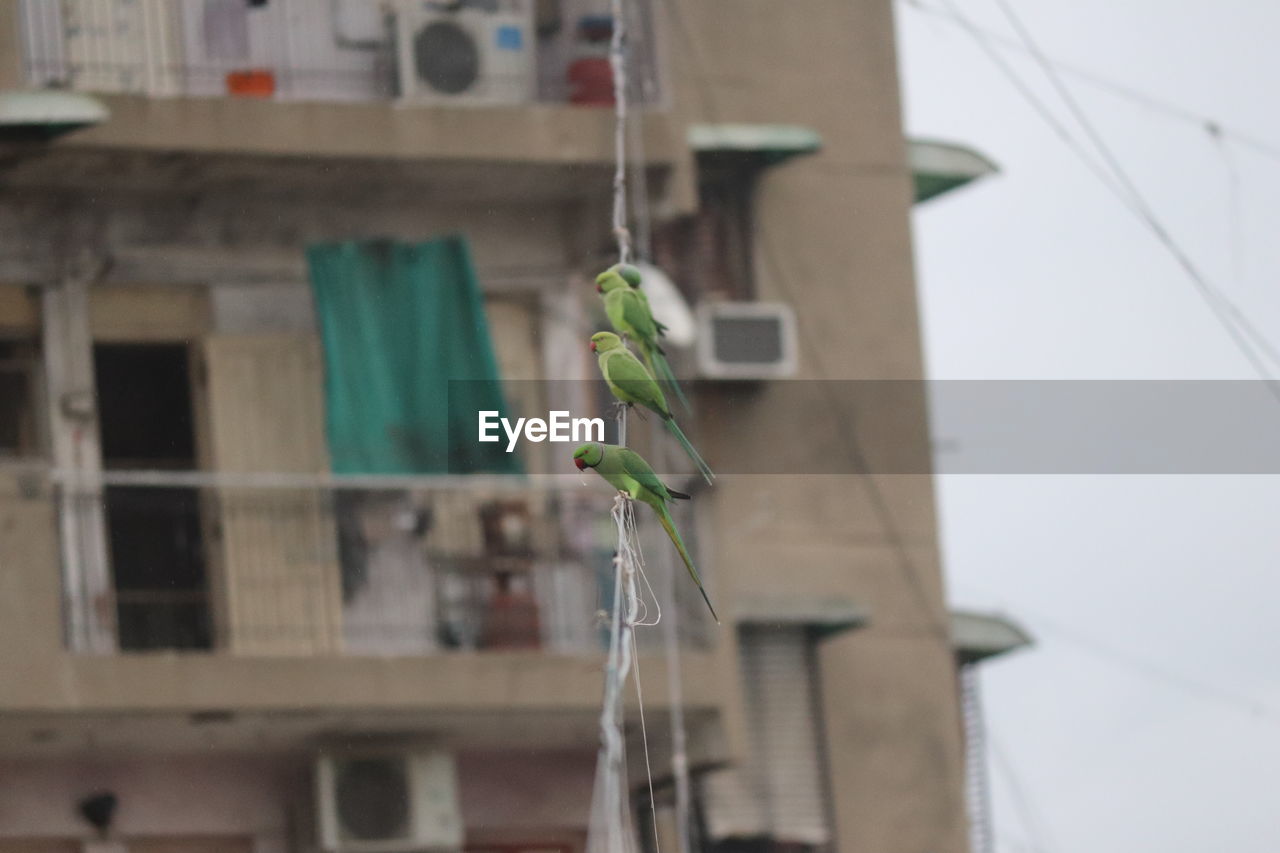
<point>1270,150</point>
<point>1233,321</point>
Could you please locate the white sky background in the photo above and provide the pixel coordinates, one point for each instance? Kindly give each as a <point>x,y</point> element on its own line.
<point>1148,716</point>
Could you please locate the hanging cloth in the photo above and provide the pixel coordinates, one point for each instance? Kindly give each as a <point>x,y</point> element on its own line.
<point>399,322</point>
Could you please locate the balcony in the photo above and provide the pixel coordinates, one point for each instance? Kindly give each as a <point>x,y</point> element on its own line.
<point>172,592</point>
<point>350,78</point>
<point>293,565</point>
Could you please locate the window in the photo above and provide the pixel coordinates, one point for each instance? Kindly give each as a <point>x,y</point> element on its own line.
<point>155,534</point>
<point>709,253</point>
<point>20,434</point>
<point>779,793</point>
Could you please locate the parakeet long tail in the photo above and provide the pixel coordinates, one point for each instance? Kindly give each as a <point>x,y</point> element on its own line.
<point>668,525</point>
<point>703,468</point>
<point>662,372</point>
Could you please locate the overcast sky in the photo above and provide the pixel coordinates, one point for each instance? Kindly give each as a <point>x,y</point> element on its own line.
<point>1148,716</point>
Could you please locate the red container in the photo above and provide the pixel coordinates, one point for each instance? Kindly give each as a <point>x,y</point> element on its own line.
<point>251,83</point>
<point>590,81</point>
<point>589,75</point>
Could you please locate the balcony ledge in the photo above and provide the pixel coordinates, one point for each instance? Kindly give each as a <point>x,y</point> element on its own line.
<point>552,134</point>
<point>494,680</point>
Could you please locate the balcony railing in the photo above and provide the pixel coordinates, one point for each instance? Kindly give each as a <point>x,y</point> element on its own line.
<point>301,565</point>
<point>477,51</point>
<point>201,562</point>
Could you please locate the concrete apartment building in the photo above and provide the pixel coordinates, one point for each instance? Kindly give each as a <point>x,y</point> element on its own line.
<point>180,625</point>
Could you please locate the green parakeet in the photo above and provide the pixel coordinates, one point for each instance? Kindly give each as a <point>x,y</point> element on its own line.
<point>627,472</point>
<point>631,276</point>
<point>628,312</point>
<point>631,383</point>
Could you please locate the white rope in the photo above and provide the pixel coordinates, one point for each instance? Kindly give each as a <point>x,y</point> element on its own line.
<point>670,627</point>
<point>610,829</point>
<point>643,230</point>
<point>648,90</point>
<point>679,738</point>
<point>632,566</point>
<point>642,619</point>
<point>644,740</point>
<point>618,64</point>
<point>675,686</point>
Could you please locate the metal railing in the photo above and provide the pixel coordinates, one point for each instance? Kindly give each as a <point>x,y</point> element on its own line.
<point>288,564</point>
<point>312,565</point>
<point>340,50</point>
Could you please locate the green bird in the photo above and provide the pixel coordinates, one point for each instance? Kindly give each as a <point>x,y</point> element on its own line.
<point>631,275</point>
<point>628,312</point>
<point>631,383</point>
<point>627,472</point>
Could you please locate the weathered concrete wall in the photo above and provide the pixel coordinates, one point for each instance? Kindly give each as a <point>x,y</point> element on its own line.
<point>541,133</point>
<point>41,227</point>
<point>528,791</point>
<point>832,238</point>
<point>543,794</point>
<point>30,586</point>
<point>11,75</point>
<point>174,796</point>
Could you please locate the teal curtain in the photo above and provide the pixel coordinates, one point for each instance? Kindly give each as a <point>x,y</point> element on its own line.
<point>399,322</point>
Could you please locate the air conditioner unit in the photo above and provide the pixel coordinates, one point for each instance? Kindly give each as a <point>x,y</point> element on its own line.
<point>746,340</point>
<point>466,51</point>
<point>388,801</point>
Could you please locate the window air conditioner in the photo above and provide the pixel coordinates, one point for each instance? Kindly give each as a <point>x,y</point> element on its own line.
<point>746,340</point>
<point>465,51</point>
<point>380,801</point>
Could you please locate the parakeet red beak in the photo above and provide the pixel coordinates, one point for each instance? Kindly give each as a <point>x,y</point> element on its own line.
<point>581,463</point>
<point>593,346</point>
<point>599,288</point>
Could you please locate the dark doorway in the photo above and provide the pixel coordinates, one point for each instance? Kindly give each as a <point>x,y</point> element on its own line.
<point>154,532</point>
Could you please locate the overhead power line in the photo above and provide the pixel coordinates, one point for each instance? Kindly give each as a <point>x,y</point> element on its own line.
<point>1145,666</point>
<point>1266,148</point>
<point>1157,672</point>
<point>1140,205</point>
<point>1028,813</point>
<point>1246,337</point>
<point>1235,213</point>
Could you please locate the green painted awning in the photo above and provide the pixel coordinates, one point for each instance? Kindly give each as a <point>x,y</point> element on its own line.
<point>940,167</point>
<point>824,616</point>
<point>937,167</point>
<point>43,114</point>
<point>763,144</point>
<point>978,636</point>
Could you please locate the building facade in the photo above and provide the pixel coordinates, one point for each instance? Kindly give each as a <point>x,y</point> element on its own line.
<point>206,628</point>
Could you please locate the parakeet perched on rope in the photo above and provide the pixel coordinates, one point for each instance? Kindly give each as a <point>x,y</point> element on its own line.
<point>628,312</point>
<point>631,275</point>
<point>631,383</point>
<point>627,472</point>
